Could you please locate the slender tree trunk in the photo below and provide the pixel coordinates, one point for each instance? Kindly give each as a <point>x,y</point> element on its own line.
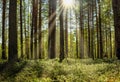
<point>13,49</point>
<point>25,29</point>
<point>29,25</point>
<point>89,49</point>
<point>31,42</point>
<point>70,26</point>
<point>92,31</point>
<point>62,55</point>
<point>26,32</point>
<point>81,31</point>
<point>35,27</point>
<point>21,30</point>
<point>4,56</point>
<point>97,30</point>
<point>110,41</point>
<point>106,39</point>
<point>40,31</point>
<point>66,33</point>
<point>77,49</point>
<point>52,29</point>
<point>100,30</point>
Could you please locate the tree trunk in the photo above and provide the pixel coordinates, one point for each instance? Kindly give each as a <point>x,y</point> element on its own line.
<point>61,35</point>
<point>89,49</point>
<point>100,30</point>
<point>66,33</point>
<point>4,56</point>
<point>81,30</point>
<point>35,27</point>
<point>52,29</point>
<point>116,11</point>
<point>13,49</point>
<point>21,30</point>
<point>77,49</point>
<point>31,41</point>
<point>40,31</point>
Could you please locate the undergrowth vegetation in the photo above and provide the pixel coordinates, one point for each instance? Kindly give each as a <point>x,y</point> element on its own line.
<point>71,70</point>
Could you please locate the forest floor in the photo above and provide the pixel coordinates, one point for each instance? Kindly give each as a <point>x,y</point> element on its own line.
<point>71,70</point>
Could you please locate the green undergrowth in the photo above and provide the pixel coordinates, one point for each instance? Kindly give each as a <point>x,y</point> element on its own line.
<point>70,70</point>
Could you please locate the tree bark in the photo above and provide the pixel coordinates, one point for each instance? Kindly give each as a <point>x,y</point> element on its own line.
<point>116,11</point>
<point>61,35</point>
<point>40,31</point>
<point>100,30</point>
<point>66,33</point>
<point>52,29</point>
<point>13,49</point>
<point>4,56</point>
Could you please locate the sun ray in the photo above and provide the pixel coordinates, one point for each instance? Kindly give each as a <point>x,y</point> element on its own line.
<point>68,3</point>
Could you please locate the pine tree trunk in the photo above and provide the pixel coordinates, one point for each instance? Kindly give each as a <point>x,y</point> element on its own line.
<point>66,33</point>
<point>35,27</point>
<point>21,30</point>
<point>32,28</point>
<point>40,31</point>
<point>116,11</point>
<point>100,30</point>
<point>81,30</point>
<point>52,29</point>
<point>4,56</point>
<point>13,49</point>
<point>61,35</point>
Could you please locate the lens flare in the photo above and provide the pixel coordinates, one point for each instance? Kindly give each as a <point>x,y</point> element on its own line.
<point>68,3</point>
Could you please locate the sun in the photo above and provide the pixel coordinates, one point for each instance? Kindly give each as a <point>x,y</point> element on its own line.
<point>68,3</point>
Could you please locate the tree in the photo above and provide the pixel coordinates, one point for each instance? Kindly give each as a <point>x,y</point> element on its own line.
<point>100,30</point>
<point>52,29</point>
<point>40,32</point>
<point>3,31</point>
<point>77,33</point>
<point>35,24</point>
<point>81,30</point>
<point>92,30</point>
<point>34,28</point>
<point>116,11</point>
<point>97,30</point>
<point>61,34</point>
<point>66,33</point>
<point>21,29</point>
<point>13,49</point>
<point>89,49</point>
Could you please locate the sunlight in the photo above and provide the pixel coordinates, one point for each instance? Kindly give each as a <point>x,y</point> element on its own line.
<point>68,3</point>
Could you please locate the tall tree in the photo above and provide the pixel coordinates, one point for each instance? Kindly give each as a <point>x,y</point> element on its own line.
<point>3,31</point>
<point>40,31</point>
<point>100,30</point>
<point>52,29</point>
<point>97,30</point>
<point>66,33</point>
<point>77,48</point>
<point>31,40</point>
<point>21,29</point>
<point>61,34</point>
<point>92,30</point>
<point>13,49</point>
<point>81,30</point>
<point>35,26</point>
<point>116,11</point>
<point>89,49</point>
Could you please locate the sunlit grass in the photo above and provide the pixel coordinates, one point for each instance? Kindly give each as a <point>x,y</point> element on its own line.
<point>71,70</point>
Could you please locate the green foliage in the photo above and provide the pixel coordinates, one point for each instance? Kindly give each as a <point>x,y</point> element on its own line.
<point>71,70</point>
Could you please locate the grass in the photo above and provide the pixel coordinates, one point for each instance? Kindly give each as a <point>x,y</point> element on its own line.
<point>71,70</point>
